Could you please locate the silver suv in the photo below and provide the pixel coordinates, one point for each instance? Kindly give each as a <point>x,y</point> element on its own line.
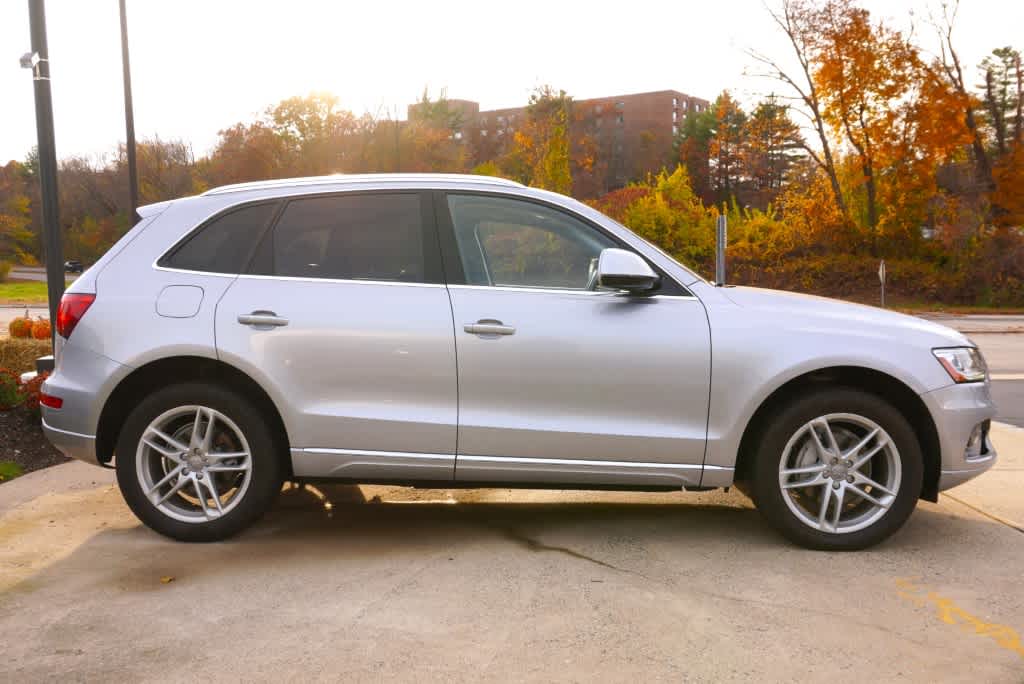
<point>460,331</point>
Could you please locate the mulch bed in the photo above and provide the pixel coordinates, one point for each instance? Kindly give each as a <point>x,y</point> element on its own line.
<point>22,441</point>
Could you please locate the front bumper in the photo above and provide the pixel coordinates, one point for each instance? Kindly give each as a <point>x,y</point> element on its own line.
<point>957,411</point>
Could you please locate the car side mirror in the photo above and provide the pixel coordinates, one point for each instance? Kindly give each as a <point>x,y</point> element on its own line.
<point>619,269</point>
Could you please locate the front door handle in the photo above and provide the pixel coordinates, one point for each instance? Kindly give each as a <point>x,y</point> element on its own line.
<point>489,326</point>
<point>262,319</point>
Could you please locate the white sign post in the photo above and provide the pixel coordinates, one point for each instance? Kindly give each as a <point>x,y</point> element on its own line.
<point>881,279</point>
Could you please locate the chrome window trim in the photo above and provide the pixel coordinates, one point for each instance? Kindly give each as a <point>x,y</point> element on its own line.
<point>168,269</point>
<point>568,291</point>
<point>253,276</point>
<point>340,281</point>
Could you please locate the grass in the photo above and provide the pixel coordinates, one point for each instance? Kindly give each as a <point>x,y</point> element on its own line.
<point>23,292</point>
<point>9,470</point>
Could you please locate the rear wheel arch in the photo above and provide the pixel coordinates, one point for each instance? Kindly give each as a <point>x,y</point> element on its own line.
<point>174,370</point>
<point>882,385</point>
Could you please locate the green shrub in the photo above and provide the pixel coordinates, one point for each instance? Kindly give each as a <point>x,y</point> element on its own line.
<point>10,390</point>
<point>5,271</point>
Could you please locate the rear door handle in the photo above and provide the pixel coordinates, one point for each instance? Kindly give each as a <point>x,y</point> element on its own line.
<point>262,319</point>
<point>489,326</point>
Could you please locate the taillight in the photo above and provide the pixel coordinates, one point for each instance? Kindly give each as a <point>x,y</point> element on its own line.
<point>72,307</point>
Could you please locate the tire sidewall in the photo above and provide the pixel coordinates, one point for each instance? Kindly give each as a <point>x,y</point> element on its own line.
<point>767,493</point>
<point>266,475</point>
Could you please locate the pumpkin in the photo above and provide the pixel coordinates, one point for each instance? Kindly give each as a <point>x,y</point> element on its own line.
<point>41,329</point>
<point>20,327</point>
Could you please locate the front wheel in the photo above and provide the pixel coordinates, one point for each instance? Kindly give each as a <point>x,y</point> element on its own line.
<point>197,462</point>
<point>837,469</point>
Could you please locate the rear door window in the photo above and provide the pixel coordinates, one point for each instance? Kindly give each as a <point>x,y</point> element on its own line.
<point>351,237</point>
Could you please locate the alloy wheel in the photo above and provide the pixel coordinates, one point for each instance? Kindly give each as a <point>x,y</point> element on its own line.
<point>840,473</point>
<point>194,464</point>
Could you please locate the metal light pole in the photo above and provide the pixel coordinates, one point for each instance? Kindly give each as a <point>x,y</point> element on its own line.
<point>721,242</point>
<point>39,61</point>
<point>129,115</point>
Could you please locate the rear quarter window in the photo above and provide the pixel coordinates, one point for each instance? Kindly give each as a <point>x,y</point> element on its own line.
<point>224,244</point>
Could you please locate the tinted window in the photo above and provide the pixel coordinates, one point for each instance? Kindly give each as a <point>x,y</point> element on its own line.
<point>517,243</point>
<point>354,237</point>
<point>224,244</point>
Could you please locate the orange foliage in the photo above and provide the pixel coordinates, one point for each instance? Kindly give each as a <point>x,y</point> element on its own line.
<point>1009,193</point>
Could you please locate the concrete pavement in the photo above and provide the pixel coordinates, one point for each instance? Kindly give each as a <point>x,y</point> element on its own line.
<point>498,585</point>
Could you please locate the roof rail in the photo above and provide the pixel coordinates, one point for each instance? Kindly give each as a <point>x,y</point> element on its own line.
<point>342,179</point>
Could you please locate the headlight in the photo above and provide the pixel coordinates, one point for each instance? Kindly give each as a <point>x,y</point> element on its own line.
<point>964,364</point>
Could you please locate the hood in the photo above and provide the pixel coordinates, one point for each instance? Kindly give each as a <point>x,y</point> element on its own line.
<point>821,312</point>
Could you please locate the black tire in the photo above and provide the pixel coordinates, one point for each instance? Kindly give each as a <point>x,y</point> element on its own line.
<point>266,461</point>
<point>776,432</point>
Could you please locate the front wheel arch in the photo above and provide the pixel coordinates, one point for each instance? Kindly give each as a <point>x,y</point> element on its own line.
<point>882,385</point>
<point>146,379</point>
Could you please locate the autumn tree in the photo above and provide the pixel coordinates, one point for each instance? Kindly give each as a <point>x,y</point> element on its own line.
<point>1003,97</point>
<point>16,235</point>
<point>246,152</point>
<point>692,149</point>
<point>799,22</point>
<point>433,138</point>
<point>726,147</point>
<point>313,129</point>
<point>540,152</point>
<point>894,112</point>
<point>773,144</point>
<point>953,69</point>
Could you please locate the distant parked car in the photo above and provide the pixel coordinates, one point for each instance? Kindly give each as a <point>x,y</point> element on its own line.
<point>453,331</point>
<point>73,266</point>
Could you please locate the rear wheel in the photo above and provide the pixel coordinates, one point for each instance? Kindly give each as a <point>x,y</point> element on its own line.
<point>197,462</point>
<point>838,469</point>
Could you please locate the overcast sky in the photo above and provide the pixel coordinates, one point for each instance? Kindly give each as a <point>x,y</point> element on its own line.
<point>199,66</point>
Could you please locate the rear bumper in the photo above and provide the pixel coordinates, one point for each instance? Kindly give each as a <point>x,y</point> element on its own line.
<point>82,380</point>
<point>72,444</point>
<point>957,411</point>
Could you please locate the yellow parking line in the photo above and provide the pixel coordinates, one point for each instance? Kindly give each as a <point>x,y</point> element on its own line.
<point>952,614</point>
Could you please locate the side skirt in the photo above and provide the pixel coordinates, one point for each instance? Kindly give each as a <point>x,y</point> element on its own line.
<point>464,471</point>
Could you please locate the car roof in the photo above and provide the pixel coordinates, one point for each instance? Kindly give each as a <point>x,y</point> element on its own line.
<point>342,180</point>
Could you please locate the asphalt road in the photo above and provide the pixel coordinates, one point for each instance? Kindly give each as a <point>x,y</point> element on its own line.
<point>29,273</point>
<point>35,273</point>
<point>1005,356</point>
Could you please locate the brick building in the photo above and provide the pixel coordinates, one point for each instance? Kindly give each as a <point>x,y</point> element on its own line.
<point>632,134</point>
